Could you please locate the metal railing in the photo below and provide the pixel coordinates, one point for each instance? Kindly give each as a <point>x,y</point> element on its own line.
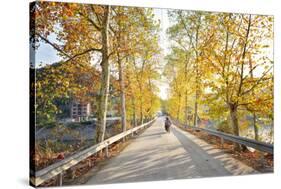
<point>261,146</point>
<point>57,169</point>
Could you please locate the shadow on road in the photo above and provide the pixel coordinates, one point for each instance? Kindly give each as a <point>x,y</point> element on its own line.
<point>157,155</point>
<point>216,158</point>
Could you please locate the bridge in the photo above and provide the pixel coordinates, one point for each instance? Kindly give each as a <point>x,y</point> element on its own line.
<point>157,155</point>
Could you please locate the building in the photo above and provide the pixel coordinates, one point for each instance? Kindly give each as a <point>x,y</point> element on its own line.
<point>80,111</point>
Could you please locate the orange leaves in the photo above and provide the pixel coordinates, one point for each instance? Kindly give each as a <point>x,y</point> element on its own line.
<point>69,12</point>
<point>98,9</point>
<point>53,3</point>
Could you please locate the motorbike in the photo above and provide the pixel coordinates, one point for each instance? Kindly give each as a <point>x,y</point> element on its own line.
<point>167,128</point>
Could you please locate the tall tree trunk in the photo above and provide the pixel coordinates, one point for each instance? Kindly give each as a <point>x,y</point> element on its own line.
<point>141,112</point>
<point>134,112</point>
<point>272,130</point>
<point>122,94</point>
<point>140,83</point>
<point>234,122</point>
<point>104,89</point>
<point>234,118</point>
<point>256,129</point>
<point>179,107</point>
<point>195,121</point>
<point>196,97</point>
<point>186,110</point>
<point>141,101</point>
<point>197,73</point>
<point>186,97</point>
<point>151,99</point>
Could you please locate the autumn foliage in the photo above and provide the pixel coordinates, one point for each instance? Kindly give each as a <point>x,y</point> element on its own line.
<point>106,52</point>
<point>220,68</point>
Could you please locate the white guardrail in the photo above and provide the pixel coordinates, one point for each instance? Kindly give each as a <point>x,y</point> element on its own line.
<point>261,146</point>
<point>58,168</point>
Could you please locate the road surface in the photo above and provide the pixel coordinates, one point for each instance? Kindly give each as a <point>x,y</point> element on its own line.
<point>157,155</point>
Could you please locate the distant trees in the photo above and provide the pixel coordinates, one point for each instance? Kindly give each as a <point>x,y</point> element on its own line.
<point>104,38</point>
<point>188,37</point>
<point>230,63</point>
<point>62,82</point>
<point>134,29</point>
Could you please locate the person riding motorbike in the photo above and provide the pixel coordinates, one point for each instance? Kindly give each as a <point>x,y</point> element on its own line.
<point>168,124</point>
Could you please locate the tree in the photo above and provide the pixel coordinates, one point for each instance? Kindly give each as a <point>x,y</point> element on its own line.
<point>230,64</point>
<point>239,39</point>
<point>86,25</point>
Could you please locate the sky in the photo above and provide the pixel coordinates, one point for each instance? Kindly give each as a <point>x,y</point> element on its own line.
<point>46,54</point>
<point>161,14</point>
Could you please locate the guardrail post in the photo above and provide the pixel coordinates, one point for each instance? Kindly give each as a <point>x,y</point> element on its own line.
<point>262,157</point>
<point>222,142</point>
<point>59,181</point>
<point>106,151</point>
<point>89,163</point>
<point>72,173</point>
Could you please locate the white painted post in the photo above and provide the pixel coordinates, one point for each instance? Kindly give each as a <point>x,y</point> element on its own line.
<point>106,151</point>
<point>60,179</point>
<point>72,173</point>
<point>89,163</point>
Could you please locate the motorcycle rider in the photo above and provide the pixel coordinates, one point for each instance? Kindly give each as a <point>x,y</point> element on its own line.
<point>168,124</point>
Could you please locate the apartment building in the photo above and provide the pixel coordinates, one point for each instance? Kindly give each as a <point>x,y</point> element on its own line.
<point>80,111</point>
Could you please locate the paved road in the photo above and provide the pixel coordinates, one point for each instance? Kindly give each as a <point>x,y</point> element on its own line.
<point>157,155</point>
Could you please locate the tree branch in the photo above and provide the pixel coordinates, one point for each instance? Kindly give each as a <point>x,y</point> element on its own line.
<point>257,83</point>
<point>98,19</point>
<point>52,44</point>
<point>91,21</point>
<point>243,57</point>
<point>82,53</point>
<point>61,51</point>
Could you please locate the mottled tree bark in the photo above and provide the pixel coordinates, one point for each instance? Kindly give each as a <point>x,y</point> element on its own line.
<point>134,112</point>
<point>197,74</point>
<point>234,122</point>
<point>122,94</point>
<point>104,89</point>
<point>256,129</point>
<point>185,108</point>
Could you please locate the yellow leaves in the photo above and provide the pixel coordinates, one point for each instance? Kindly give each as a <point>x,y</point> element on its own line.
<point>223,69</point>
<point>73,5</point>
<point>270,18</point>
<point>98,9</point>
<point>123,18</point>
